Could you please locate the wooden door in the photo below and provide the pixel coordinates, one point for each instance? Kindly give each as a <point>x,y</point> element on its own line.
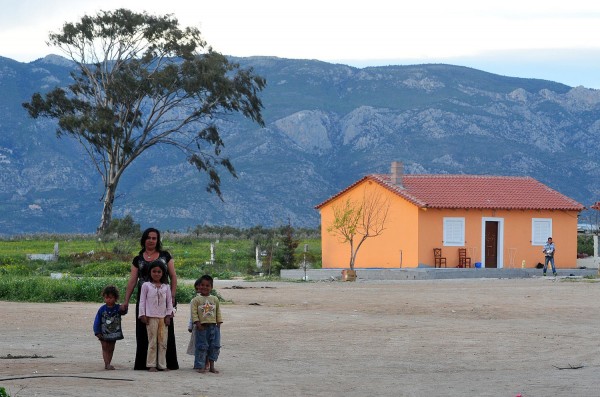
<point>491,244</point>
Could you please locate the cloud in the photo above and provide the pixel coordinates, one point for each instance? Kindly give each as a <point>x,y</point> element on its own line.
<point>481,34</point>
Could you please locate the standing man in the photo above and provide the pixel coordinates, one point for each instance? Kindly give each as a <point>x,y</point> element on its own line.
<point>549,250</point>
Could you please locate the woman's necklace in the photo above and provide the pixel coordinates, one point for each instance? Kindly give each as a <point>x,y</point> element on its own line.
<point>149,256</point>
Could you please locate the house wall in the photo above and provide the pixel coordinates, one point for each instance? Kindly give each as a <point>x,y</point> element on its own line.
<point>432,235</point>
<point>396,247</point>
<point>517,235</point>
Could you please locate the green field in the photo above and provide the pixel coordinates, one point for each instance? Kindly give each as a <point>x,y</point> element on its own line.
<point>87,263</point>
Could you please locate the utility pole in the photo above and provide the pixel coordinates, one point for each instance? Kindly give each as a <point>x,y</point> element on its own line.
<point>304,261</point>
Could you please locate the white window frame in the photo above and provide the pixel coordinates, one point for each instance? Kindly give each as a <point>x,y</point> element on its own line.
<point>541,229</point>
<point>454,232</point>
<point>500,251</point>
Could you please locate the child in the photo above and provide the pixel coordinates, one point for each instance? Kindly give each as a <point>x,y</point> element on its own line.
<point>107,324</point>
<point>156,308</point>
<point>191,348</point>
<point>206,316</point>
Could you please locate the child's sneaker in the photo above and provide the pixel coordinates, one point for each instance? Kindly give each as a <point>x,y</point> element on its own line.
<point>555,274</point>
<point>544,274</point>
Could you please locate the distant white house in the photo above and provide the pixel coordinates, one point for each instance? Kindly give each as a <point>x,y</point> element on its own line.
<point>586,228</point>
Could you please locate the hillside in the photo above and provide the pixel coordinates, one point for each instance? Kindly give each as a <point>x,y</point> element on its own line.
<point>327,125</point>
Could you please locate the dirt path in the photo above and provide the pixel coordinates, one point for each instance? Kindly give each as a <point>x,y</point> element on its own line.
<point>478,337</point>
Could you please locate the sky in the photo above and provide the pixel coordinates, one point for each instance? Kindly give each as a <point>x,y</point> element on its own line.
<point>551,40</point>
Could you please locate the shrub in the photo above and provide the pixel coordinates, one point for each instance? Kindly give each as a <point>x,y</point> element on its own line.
<point>74,289</point>
<point>103,269</point>
<point>15,270</point>
<point>186,293</point>
<point>124,227</point>
<point>9,260</point>
<point>285,253</point>
<point>67,289</point>
<point>585,244</point>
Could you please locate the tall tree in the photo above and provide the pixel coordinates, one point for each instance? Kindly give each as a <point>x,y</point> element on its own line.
<point>143,81</point>
<point>286,252</point>
<point>354,221</point>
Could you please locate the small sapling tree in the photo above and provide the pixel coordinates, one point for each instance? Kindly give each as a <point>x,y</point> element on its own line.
<point>355,221</point>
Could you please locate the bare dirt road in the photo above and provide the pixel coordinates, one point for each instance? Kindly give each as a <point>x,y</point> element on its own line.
<point>465,337</point>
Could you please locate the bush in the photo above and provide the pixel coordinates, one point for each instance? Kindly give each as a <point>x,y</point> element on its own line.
<point>15,270</point>
<point>585,244</point>
<point>124,227</point>
<point>103,269</point>
<point>285,253</point>
<point>186,293</point>
<point>67,289</point>
<point>74,289</point>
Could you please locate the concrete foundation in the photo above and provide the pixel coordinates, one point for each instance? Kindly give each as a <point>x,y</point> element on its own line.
<point>589,263</point>
<point>428,273</point>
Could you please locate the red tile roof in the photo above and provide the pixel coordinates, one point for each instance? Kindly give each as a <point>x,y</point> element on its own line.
<point>473,191</point>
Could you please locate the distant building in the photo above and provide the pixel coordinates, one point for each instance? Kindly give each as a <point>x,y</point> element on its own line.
<point>500,220</point>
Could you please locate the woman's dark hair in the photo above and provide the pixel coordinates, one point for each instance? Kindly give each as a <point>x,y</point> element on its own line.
<point>164,279</point>
<point>111,290</point>
<point>145,237</point>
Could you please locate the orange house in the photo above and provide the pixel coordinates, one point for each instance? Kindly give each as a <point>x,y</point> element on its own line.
<point>502,221</point>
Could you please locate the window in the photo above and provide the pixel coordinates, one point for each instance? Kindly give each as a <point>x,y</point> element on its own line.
<point>454,232</point>
<point>541,229</point>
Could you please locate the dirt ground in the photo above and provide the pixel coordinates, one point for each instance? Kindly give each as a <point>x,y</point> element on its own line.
<point>461,337</point>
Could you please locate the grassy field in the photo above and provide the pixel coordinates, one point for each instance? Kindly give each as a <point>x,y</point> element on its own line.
<point>87,263</point>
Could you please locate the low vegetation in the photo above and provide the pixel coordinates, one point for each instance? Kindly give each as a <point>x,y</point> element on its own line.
<point>86,263</point>
<point>585,244</point>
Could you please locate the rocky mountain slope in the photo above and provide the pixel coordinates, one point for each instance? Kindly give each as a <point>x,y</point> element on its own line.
<point>327,126</point>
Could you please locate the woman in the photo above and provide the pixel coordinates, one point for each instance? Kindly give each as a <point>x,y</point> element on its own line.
<point>151,251</point>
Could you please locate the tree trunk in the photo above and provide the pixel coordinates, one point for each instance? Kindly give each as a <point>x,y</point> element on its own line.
<point>352,256</point>
<point>107,209</point>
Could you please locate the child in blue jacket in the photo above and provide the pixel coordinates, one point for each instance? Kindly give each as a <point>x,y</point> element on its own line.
<point>107,324</point>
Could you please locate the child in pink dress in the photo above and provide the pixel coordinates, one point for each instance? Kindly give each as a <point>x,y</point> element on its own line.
<point>156,307</point>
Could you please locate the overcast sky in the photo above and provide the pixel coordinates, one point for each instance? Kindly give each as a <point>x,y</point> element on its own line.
<point>552,40</point>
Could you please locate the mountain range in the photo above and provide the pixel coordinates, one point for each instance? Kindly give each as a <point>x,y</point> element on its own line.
<point>327,125</point>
